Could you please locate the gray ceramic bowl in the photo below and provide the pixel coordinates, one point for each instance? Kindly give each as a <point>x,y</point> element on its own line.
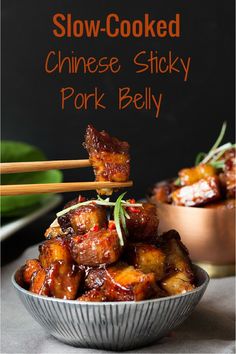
<point>112,325</point>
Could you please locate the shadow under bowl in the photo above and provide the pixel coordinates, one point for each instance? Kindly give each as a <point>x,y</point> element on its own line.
<point>112,325</point>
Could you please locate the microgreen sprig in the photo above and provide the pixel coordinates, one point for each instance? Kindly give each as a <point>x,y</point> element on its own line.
<point>213,156</point>
<point>119,216</point>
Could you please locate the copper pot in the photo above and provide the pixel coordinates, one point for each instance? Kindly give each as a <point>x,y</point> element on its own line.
<point>208,233</point>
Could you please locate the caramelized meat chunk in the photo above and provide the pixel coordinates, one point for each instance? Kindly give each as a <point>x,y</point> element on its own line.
<point>189,176</point>
<point>95,295</point>
<point>39,283</point>
<point>176,283</point>
<point>143,222</point>
<point>179,271</point>
<point>108,156</point>
<point>84,218</point>
<point>31,266</point>
<point>202,192</point>
<point>230,173</point>
<point>96,247</point>
<point>63,280</point>
<point>177,256</point>
<point>123,283</point>
<point>163,190</point>
<point>148,258</point>
<point>54,250</point>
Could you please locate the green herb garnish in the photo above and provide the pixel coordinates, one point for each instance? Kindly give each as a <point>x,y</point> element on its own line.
<point>216,152</point>
<point>120,214</point>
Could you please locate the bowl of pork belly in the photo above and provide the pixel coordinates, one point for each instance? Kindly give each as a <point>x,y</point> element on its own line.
<point>200,204</point>
<point>108,279</point>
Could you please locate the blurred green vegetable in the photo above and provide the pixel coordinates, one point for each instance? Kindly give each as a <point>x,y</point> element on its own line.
<point>12,151</point>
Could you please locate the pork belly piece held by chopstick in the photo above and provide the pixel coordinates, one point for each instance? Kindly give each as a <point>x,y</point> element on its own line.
<point>108,156</point>
<point>199,193</point>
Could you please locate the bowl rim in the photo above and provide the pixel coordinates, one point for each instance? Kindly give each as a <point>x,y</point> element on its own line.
<point>199,288</point>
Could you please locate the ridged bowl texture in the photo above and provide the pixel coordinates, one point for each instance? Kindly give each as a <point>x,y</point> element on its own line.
<point>112,325</point>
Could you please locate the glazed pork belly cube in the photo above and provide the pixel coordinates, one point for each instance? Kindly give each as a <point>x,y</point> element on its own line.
<point>94,295</point>
<point>230,173</point>
<point>31,266</point>
<point>180,276</point>
<point>108,156</point>
<point>202,192</point>
<point>176,283</point>
<point>63,280</point>
<point>54,250</point>
<point>38,284</point>
<point>84,218</point>
<point>143,222</point>
<point>191,175</point>
<point>146,257</point>
<point>162,191</point>
<point>25,274</point>
<point>122,283</point>
<point>177,255</point>
<point>96,247</point>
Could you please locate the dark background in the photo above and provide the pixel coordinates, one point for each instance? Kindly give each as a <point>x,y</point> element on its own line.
<point>191,113</point>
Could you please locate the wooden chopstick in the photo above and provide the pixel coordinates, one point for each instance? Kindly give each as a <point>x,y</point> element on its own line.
<point>21,189</point>
<point>16,167</point>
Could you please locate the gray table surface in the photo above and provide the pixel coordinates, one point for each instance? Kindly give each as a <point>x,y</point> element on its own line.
<point>210,329</point>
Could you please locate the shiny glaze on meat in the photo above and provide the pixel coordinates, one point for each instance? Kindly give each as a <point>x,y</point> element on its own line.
<point>31,266</point>
<point>143,222</point>
<point>63,280</point>
<point>94,295</point>
<point>96,247</point>
<point>191,175</point>
<point>179,273</point>
<point>200,193</point>
<point>122,282</point>
<point>54,250</point>
<point>39,284</point>
<point>83,219</point>
<point>146,257</point>
<point>230,173</point>
<point>108,156</point>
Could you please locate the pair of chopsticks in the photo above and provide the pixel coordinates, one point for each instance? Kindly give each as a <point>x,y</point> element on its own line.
<point>18,167</point>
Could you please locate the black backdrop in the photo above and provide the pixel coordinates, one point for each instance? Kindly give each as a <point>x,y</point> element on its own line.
<point>191,114</point>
